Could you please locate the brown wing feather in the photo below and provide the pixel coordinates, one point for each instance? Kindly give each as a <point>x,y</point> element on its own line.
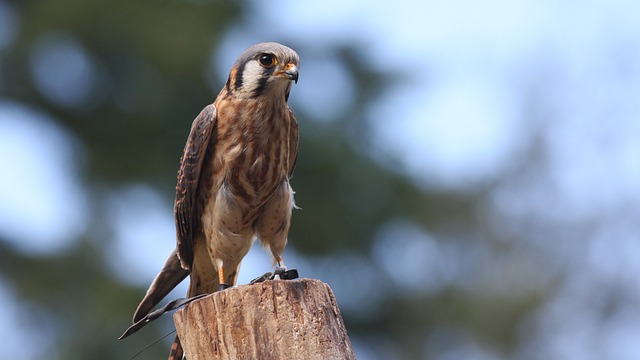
<point>185,209</point>
<point>293,142</point>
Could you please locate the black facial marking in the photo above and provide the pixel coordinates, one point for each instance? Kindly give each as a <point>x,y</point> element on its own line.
<point>238,83</point>
<point>286,95</point>
<point>262,83</point>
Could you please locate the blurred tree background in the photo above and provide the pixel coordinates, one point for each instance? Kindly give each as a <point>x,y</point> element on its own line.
<point>528,250</point>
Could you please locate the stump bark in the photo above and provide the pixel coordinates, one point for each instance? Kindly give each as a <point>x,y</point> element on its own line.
<point>278,319</point>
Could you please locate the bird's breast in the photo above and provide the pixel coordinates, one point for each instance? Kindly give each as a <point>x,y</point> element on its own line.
<point>251,152</point>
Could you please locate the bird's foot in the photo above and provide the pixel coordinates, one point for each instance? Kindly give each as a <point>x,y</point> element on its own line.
<point>223,286</point>
<point>280,273</point>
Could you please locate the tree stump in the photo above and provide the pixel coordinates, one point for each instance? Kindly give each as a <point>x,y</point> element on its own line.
<point>277,319</point>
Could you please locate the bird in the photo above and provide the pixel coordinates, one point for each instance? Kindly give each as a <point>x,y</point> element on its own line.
<point>233,180</point>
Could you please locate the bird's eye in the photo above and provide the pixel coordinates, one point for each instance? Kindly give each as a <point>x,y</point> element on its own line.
<point>267,60</point>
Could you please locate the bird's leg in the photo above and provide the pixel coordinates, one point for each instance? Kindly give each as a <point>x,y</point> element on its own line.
<point>281,272</point>
<point>280,268</point>
<point>223,285</point>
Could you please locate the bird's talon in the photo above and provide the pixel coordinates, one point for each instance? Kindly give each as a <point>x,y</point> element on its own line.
<point>223,286</point>
<point>277,274</point>
<point>280,273</point>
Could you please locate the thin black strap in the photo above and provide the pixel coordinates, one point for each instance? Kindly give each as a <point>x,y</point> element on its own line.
<point>172,305</point>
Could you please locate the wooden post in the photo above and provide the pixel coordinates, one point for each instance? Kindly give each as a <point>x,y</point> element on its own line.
<point>278,319</point>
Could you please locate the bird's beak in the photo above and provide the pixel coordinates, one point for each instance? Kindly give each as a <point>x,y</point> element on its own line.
<point>290,72</point>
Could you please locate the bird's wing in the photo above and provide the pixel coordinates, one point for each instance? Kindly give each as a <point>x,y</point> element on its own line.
<point>178,265</point>
<point>293,142</point>
<point>185,208</point>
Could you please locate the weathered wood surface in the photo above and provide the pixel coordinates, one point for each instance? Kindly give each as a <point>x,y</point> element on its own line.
<point>278,319</point>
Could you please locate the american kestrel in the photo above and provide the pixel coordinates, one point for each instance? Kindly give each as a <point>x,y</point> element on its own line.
<point>233,182</point>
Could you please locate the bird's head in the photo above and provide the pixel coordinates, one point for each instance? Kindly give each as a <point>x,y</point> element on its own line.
<point>264,69</point>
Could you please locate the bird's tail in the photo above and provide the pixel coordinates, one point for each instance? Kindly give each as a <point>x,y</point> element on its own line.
<point>203,281</point>
<point>169,277</point>
<point>176,352</point>
<point>196,287</point>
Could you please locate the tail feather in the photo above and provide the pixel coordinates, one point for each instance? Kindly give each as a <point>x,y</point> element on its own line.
<point>176,352</point>
<point>205,283</point>
<point>195,288</point>
<point>169,277</point>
